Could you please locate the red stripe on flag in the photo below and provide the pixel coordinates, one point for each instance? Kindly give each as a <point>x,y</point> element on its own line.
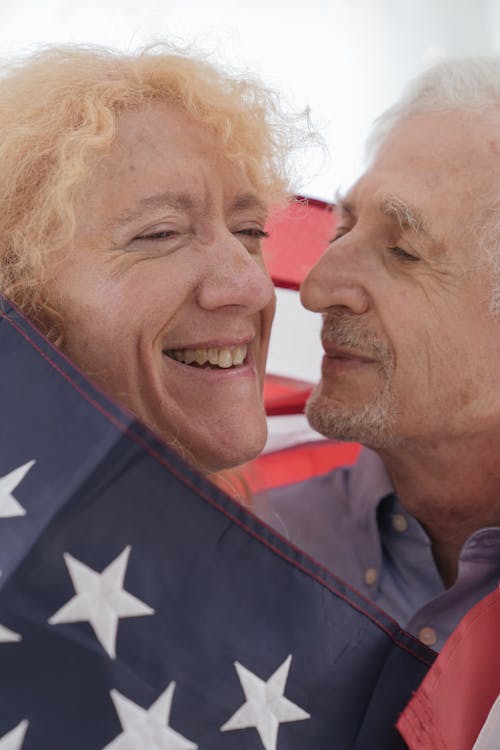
<point>297,463</point>
<point>298,235</point>
<point>284,395</point>
<point>453,702</point>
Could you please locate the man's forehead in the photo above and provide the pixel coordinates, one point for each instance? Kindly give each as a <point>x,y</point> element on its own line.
<point>442,150</point>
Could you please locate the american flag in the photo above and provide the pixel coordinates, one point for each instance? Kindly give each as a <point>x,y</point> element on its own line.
<point>457,707</point>
<point>141,607</point>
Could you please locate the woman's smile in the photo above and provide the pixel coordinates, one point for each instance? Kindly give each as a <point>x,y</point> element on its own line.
<point>190,360</point>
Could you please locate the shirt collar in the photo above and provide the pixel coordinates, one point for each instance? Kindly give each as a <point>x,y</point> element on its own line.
<point>370,483</point>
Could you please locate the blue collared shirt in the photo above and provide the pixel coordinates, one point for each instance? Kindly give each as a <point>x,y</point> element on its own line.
<point>351,522</point>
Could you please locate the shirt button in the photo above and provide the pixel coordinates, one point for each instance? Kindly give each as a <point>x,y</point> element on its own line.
<point>399,522</point>
<point>428,636</point>
<point>370,576</point>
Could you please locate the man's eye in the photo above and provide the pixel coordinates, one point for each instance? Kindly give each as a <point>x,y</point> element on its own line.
<point>339,234</point>
<point>402,254</point>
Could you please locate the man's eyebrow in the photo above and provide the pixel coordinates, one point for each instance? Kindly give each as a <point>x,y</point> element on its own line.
<point>393,206</point>
<point>407,216</point>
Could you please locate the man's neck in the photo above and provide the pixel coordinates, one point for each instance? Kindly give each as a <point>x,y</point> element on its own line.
<point>451,493</point>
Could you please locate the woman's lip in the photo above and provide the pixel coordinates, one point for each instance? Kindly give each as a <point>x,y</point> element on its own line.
<point>247,368</point>
<point>212,374</point>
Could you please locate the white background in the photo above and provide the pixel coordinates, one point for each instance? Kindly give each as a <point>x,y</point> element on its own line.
<point>346,60</point>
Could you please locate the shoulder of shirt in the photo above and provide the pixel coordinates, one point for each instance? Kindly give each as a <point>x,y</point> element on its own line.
<point>364,478</point>
<point>335,478</point>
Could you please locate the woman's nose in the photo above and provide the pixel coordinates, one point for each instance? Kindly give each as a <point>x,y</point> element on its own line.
<point>234,276</point>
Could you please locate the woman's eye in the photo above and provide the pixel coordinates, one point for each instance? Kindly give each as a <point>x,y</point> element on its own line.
<point>258,234</point>
<point>251,237</point>
<point>163,234</point>
<point>402,254</point>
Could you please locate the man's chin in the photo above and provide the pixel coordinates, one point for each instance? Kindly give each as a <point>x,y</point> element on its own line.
<point>368,423</point>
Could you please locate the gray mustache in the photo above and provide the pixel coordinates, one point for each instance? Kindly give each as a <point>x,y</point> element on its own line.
<point>348,331</point>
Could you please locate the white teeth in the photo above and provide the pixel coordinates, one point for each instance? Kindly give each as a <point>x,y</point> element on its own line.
<point>200,356</point>
<point>213,356</point>
<point>224,358</point>
<point>239,355</point>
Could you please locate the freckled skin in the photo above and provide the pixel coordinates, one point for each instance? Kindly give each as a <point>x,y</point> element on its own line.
<point>168,276</point>
<point>494,147</point>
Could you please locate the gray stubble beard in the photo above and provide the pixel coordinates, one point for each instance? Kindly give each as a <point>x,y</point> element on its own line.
<point>372,423</point>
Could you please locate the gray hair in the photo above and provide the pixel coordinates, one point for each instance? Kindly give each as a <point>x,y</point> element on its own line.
<point>462,84</point>
<point>466,83</point>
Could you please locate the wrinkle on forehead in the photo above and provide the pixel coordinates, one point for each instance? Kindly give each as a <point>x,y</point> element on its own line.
<point>170,199</point>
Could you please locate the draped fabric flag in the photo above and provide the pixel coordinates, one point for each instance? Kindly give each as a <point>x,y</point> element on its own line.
<point>299,235</point>
<point>458,705</point>
<point>142,608</point>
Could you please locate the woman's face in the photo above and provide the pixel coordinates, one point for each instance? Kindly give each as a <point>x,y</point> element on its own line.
<point>165,298</point>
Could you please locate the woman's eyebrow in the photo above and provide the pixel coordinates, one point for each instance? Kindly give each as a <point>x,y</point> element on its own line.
<point>180,201</point>
<point>166,199</point>
<point>246,201</point>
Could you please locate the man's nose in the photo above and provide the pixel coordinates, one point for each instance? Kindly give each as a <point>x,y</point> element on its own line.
<point>234,276</point>
<point>336,280</point>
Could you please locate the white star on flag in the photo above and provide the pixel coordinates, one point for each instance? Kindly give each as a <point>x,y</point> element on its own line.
<point>266,707</point>
<point>8,636</point>
<point>147,729</point>
<point>9,506</point>
<point>14,739</point>
<point>100,599</point>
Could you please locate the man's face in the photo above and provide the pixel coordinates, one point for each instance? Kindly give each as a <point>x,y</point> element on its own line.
<point>165,299</point>
<point>412,351</point>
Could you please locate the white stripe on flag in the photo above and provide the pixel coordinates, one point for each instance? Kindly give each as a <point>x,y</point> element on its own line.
<point>286,430</point>
<point>489,736</point>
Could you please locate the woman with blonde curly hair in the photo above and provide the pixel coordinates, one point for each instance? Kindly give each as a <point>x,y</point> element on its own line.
<point>133,201</point>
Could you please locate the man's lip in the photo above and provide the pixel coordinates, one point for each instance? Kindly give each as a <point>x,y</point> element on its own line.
<point>337,352</point>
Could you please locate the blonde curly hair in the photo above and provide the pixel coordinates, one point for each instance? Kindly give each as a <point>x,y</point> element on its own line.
<point>58,108</point>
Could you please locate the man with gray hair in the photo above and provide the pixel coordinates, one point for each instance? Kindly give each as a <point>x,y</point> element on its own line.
<point>409,292</point>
